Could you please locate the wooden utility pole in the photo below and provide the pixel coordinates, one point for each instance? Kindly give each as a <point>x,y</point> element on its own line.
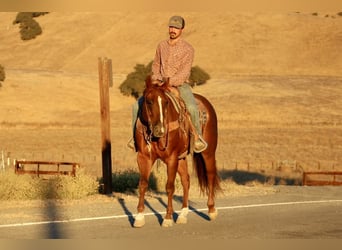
<point>105,78</point>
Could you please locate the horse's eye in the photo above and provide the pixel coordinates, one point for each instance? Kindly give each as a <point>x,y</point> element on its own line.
<point>149,102</point>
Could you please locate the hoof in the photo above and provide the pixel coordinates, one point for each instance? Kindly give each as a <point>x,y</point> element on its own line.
<point>167,223</point>
<point>213,215</point>
<point>182,218</point>
<point>139,221</point>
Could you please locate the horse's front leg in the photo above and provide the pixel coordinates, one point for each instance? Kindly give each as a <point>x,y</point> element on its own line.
<point>145,165</point>
<point>185,180</point>
<point>172,166</point>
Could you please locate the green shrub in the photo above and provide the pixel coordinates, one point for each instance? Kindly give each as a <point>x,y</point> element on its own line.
<point>2,74</point>
<point>66,187</point>
<point>26,187</point>
<point>128,181</point>
<point>29,28</point>
<point>135,82</point>
<point>19,187</point>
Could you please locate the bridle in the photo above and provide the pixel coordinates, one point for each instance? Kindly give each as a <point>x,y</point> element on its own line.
<point>164,119</point>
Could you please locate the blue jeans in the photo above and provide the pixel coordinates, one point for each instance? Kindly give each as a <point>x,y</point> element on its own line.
<point>190,103</point>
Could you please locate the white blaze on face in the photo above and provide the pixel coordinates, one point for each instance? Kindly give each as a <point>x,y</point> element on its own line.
<point>161,113</point>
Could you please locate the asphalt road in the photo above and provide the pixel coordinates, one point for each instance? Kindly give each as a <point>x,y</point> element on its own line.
<point>290,213</point>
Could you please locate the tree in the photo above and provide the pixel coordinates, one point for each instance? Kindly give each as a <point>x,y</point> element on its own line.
<point>135,81</point>
<point>198,76</point>
<point>2,74</point>
<point>29,28</point>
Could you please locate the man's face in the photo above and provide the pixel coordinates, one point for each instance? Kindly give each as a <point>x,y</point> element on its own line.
<point>174,32</point>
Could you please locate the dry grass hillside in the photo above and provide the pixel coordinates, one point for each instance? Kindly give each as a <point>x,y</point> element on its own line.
<point>225,43</point>
<point>276,86</point>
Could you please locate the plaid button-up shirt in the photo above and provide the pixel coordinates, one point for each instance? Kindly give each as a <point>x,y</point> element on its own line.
<point>173,61</point>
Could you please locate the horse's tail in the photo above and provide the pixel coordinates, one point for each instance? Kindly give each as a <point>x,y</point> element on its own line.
<point>205,177</point>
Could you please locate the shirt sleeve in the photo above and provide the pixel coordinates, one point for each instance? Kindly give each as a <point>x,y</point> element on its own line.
<point>156,74</point>
<point>184,70</point>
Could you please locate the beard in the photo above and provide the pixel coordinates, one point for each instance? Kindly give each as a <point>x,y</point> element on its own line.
<point>173,35</point>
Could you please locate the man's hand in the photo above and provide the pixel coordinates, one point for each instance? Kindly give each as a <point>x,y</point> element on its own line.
<point>157,82</point>
<point>166,80</point>
<point>160,83</point>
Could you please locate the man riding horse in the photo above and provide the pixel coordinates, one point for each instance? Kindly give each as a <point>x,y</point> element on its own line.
<point>173,62</point>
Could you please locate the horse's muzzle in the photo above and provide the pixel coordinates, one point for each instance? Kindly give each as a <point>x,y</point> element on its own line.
<point>158,130</point>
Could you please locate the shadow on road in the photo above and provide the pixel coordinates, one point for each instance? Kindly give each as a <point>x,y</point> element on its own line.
<point>156,213</point>
<point>53,229</point>
<point>130,214</point>
<point>194,210</point>
<point>244,177</point>
<point>179,199</point>
<point>127,212</point>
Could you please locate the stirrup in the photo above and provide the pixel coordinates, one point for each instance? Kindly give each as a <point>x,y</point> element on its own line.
<point>200,145</point>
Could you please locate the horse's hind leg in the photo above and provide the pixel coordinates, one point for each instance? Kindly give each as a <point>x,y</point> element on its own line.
<point>210,163</point>
<point>185,180</point>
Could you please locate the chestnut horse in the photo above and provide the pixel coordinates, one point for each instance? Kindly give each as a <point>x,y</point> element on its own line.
<point>163,131</point>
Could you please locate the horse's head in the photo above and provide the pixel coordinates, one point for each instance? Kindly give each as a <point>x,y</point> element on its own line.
<point>155,107</point>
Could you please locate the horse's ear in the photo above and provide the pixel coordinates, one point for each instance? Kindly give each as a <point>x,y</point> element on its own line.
<point>166,81</point>
<point>148,81</point>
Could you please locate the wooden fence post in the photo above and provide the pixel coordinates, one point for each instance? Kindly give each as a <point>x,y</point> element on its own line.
<point>105,77</point>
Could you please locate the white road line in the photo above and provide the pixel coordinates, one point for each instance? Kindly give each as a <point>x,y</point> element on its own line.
<point>279,204</point>
<point>153,213</point>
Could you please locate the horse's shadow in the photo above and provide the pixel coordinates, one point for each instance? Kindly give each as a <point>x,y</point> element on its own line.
<point>193,209</point>
<point>127,212</point>
<point>155,212</point>
<point>159,216</point>
<point>130,215</point>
